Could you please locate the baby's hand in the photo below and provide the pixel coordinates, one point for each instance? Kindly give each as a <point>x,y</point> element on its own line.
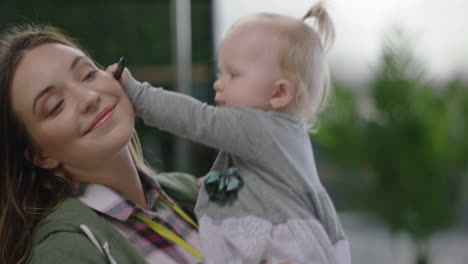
<point>200,181</point>
<point>126,75</point>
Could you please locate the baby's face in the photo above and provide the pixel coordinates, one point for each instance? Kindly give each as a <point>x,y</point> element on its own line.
<point>247,67</point>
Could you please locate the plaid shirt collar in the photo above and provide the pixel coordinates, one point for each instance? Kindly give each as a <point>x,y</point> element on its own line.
<point>112,203</point>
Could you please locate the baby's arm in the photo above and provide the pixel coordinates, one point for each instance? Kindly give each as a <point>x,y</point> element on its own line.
<point>235,130</point>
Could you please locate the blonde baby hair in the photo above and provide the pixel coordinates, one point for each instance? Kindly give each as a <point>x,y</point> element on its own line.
<point>301,56</point>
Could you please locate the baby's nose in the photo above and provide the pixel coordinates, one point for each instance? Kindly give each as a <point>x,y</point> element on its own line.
<point>217,85</point>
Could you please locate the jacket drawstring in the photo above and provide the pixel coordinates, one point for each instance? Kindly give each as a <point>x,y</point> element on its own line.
<point>104,249</point>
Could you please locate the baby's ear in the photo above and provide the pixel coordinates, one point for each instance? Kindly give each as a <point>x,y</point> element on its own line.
<point>284,93</point>
<point>42,161</point>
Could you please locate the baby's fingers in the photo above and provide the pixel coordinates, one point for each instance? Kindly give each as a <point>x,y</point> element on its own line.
<point>200,182</point>
<point>111,69</point>
<point>126,75</point>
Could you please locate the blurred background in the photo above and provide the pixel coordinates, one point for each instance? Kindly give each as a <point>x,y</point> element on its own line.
<point>392,145</point>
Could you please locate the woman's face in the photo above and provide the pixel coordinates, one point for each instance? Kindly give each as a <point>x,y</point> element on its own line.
<point>78,114</point>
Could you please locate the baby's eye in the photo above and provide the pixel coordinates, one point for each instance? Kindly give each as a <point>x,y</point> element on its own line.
<point>233,75</point>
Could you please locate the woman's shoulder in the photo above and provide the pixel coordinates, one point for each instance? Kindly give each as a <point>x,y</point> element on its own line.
<point>74,233</point>
<point>181,187</point>
<point>67,216</point>
<point>63,246</point>
<point>59,239</point>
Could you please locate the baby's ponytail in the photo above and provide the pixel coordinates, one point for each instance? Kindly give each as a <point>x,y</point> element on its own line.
<point>326,29</point>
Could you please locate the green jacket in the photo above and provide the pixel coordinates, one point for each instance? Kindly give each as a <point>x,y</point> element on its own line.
<point>65,236</point>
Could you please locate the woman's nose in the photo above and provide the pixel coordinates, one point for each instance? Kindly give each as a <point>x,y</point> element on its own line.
<point>89,101</point>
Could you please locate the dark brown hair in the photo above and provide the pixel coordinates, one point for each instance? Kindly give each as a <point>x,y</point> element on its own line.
<point>29,193</point>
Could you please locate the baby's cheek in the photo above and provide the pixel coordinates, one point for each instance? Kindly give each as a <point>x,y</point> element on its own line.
<point>219,98</point>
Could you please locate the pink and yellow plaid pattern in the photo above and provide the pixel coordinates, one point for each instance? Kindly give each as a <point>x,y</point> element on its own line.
<point>118,211</point>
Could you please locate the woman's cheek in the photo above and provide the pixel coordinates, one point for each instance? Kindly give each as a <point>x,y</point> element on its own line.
<point>59,134</point>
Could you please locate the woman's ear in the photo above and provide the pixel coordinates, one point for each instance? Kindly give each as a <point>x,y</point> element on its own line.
<point>41,161</point>
<point>283,94</point>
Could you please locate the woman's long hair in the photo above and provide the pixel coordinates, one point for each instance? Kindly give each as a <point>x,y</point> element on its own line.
<point>28,193</point>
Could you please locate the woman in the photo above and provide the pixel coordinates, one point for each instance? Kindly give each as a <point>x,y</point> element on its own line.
<point>73,185</point>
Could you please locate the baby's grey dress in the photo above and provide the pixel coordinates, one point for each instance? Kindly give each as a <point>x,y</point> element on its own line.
<point>281,212</point>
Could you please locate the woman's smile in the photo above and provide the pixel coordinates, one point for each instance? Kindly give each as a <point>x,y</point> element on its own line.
<point>101,118</point>
<point>83,100</point>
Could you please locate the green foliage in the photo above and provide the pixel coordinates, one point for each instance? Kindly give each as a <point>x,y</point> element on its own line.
<point>406,151</point>
<point>140,30</point>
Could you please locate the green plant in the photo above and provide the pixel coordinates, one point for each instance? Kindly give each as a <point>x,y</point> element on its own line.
<point>406,150</point>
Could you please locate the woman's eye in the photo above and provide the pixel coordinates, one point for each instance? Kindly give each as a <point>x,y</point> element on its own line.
<point>90,75</point>
<point>55,108</point>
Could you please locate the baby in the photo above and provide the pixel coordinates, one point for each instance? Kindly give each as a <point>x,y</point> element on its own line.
<point>262,202</point>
